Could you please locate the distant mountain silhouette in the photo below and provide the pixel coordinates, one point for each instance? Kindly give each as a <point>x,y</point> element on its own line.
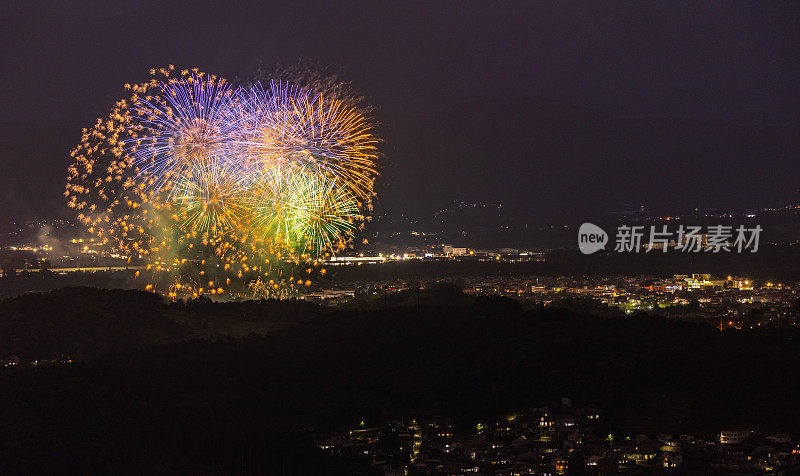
<point>547,159</point>
<point>33,169</point>
<point>540,159</point>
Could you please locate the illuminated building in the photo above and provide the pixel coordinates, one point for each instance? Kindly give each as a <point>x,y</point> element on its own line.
<point>732,437</point>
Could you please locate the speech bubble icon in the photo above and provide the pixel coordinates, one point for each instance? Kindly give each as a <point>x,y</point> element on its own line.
<point>591,238</point>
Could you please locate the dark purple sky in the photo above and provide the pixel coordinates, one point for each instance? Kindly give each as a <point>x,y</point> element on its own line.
<point>717,62</point>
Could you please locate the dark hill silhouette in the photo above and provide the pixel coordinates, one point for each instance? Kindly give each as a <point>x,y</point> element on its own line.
<point>254,405</point>
<point>77,322</point>
<point>80,322</point>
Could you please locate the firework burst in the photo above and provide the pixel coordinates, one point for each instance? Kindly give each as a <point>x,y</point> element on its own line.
<point>198,177</point>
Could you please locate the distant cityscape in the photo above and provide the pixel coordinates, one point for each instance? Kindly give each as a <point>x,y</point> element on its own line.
<point>723,300</point>
<point>475,230</point>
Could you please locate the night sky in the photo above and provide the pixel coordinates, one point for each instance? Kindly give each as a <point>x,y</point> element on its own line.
<point>556,110</point>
